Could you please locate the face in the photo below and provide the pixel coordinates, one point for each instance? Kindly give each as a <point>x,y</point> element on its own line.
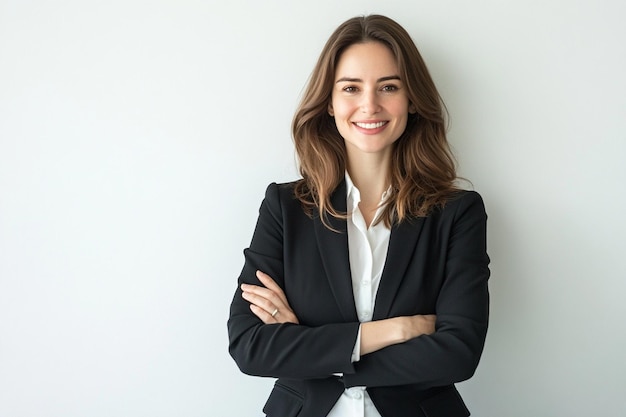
<point>369,101</point>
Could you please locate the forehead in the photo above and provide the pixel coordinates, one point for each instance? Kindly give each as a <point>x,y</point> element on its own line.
<point>366,59</point>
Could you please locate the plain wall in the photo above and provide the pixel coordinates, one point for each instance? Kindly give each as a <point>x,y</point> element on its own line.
<point>136,142</point>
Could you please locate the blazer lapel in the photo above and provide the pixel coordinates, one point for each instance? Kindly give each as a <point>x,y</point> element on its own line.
<point>333,249</point>
<point>402,243</point>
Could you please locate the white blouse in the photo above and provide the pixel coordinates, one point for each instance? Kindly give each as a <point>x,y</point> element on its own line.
<point>368,250</point>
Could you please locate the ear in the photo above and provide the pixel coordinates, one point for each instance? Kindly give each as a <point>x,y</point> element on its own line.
<point>412,108</point>
<point>331,112</point>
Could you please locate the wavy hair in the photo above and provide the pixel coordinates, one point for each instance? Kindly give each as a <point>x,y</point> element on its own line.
<point>422,171</point>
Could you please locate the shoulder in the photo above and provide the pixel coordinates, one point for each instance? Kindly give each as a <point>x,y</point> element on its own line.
<point>279,192</point>
<point>281,198</point>
<point>467,197</point>
<point>461,204</point>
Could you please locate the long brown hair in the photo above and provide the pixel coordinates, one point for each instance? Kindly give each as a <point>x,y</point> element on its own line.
<point>422,173</point>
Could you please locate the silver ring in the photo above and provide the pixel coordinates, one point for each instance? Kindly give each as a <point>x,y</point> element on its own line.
<point>274,312</point>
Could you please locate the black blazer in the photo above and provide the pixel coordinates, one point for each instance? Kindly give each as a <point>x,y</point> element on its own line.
<point>435,265</point>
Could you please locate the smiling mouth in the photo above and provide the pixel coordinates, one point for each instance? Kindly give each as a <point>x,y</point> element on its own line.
<point>370,125</point>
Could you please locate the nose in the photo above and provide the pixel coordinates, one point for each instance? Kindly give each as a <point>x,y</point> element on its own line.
<point>370,103</point>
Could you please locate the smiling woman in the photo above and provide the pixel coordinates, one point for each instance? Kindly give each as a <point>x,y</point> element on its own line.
<point>364,289</point>
<point>369,102</point>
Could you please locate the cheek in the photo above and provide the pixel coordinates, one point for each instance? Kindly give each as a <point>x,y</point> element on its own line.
<point>401,112</point>
<point>400,107</point>
<point>342,108</point>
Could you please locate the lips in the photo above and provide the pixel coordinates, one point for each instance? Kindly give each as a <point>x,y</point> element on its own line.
<point>371,125</point>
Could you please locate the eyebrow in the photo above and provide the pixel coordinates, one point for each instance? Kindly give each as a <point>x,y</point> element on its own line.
<point>358,80</point>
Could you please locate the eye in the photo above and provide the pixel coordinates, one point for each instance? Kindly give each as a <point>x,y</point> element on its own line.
<point>350,89</point>
<point>390,88</point>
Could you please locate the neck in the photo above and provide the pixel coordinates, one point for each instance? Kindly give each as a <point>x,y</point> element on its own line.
<point>370,174</point>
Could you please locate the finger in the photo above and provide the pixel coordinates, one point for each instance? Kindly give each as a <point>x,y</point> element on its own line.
<point>268,305</point>
<point>264,293</point>
<point>269,313</point>
<point>271,284</point>
<point>273,293</point>
<point>262,314</point>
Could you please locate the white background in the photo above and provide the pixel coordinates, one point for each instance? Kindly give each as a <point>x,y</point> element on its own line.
<point>136,142</point>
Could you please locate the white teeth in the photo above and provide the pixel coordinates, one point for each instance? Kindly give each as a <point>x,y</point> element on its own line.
<point>370,125</point>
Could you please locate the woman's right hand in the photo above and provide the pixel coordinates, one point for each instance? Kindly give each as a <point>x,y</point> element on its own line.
<point>418,325</point>
<point>376,335</point>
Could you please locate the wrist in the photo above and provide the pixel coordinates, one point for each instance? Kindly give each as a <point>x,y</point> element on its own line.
<point>402,333</point>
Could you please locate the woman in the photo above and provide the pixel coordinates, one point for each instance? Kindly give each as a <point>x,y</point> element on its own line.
<point>364,289</point>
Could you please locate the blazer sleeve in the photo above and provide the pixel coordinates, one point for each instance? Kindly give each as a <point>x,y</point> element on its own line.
<point>282,350</point>
<point>452,353</point>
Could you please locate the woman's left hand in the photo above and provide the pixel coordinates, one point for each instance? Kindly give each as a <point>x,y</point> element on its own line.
<point>268,303</point>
